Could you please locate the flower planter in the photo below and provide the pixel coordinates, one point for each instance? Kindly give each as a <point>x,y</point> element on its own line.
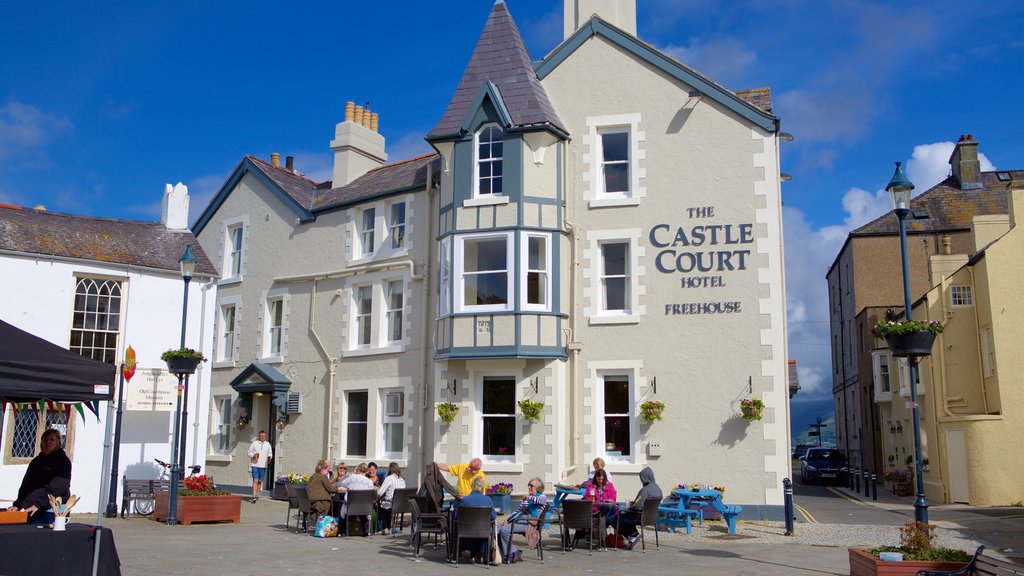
<point>913,344</point>
<point>227,508</point>
<point>502,503</point>
<point>183,365</point>
<point>864,564</point>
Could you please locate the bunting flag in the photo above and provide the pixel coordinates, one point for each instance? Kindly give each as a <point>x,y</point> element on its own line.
<point>41,408</point>
<point>78,407</point>
<point>49,406</point>
<point>25,410</point>
<point>93,407</point>
<point>67,412</point>
<point>3,405</point>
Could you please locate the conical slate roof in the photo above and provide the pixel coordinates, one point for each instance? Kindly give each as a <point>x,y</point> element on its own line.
<point>500,57</point>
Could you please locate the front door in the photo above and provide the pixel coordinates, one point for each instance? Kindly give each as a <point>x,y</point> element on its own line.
<point>959,490</point>
<point>263,412</point>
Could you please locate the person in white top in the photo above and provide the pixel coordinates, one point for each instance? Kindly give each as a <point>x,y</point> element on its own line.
<point>357,481</point>
<point>598,465</point>
<point>386,493</point>
<point>260,453</point>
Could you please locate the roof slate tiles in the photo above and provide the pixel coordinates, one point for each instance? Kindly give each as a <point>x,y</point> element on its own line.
<point>948,207</point>
<point>403,175</point>
<point>295,185</point>
<point>131,242</point>
<point>501,57</point>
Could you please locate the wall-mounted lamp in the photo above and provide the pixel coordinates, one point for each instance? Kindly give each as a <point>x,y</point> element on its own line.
<point>892,428</point>
<point>243,421</point>
<point>282,420</point>
<point>899,427</point>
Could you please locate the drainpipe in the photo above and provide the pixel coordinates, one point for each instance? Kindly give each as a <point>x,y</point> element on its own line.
<point>941,398</point>
<point>573,345</point>
<point>332,364</point>
<point>426,374</point>
<point>207,377</point>
<point>981,359</point>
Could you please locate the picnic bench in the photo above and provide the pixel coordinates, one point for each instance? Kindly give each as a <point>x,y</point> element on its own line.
<point>141,493</point>
<point>679,513</point>
<point>980,564</point>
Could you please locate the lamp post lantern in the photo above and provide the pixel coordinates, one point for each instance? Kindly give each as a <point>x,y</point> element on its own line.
<point>188,266</point>
<point>899,189</point>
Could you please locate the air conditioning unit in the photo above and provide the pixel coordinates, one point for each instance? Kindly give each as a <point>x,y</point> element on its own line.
<point>394,404</point>
<point>294,403</point>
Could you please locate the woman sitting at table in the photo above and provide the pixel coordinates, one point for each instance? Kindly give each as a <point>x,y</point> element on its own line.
<point>530,507</point>
<point>357,481</point>
<point>476,546</point>
<point>386,495</point>
<point>602,493</point>
<point>320,489</point>
<point>48,474</point>
<point>630,517</point>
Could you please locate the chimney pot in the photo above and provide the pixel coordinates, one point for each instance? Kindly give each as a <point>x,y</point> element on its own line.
<point>373,121</point>
<point>289,163</point>
<point>947,245</point>
<point>275,160</point>
<point>350,110</point>
<point>359,115</point>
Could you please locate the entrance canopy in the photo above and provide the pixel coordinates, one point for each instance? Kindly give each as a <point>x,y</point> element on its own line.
<point>33,369</point>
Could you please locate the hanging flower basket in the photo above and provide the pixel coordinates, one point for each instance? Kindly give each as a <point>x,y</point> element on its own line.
<point>531,410</point>
<point>651,410</point>
<point>751,408</point>
<point>447,411</point>
<point>909,337</point>
<point>183,360</point>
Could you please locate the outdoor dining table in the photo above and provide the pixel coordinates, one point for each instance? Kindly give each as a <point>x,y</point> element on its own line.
<point>32,549</point>
<point>713,497</point>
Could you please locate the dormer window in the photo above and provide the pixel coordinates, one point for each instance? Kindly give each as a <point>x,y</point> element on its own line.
<point>489,150</point>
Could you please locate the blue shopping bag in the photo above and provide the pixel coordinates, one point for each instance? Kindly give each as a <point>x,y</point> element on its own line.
<point>326,527</point>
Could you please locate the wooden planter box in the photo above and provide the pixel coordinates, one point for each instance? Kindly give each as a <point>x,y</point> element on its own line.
<point>864,564</point>
<point>227,508</point>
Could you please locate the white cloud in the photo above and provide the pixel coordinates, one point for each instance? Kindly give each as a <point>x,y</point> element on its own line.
<point>25,129</point>
<point>929,164</point>
<point>809,253</point>
<point>724,60</point>
<point>408,145</point>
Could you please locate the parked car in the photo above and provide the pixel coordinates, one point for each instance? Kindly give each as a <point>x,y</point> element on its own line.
<point>822,464</point>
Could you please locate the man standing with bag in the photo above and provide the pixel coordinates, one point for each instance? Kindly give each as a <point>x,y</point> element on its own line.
<point>260,453</point>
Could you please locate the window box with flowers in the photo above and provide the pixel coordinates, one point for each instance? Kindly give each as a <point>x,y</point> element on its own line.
<point>200,501</point>
<point>751,409</point>
<point>908,337</point>
<point>501,497</point>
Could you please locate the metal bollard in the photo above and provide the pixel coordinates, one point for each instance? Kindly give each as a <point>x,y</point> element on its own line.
<point>788,509</point>
<point>874,486</point>
<point>867,477</point>
<point>856,479</point>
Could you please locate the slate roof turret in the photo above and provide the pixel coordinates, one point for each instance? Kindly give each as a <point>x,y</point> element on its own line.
<point>501,58</point>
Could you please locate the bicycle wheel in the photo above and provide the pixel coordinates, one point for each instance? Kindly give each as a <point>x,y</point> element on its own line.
<point>144,506</point>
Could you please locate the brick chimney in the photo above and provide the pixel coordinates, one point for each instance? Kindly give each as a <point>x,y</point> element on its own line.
<point>964,161</point>
<point>174,207</point>
<point>620,13</point>
<point>358,147</point>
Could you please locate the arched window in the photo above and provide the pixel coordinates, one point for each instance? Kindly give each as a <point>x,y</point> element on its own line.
<point>97,319</point>
<point>489,150</point>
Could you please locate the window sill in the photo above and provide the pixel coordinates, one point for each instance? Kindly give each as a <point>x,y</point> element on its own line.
<point>226,458</point>
<point>503,467</point>
<point>485,201</point>
<point>374,351</point>
<point>626,319</point>
<point>624,467</point>
<point>272,359</point>
<point>402,463</point>
<point>613,202</point>
<point>230,363</point>
<point>883,397</point>
<point>230,280</point>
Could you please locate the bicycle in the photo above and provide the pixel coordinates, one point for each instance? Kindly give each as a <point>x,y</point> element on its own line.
<point>144,505</point>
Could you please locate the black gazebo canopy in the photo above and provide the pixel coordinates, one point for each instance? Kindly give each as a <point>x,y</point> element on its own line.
<point>33,369</point>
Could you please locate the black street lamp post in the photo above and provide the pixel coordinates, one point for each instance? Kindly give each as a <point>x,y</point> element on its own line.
<point>899,189</point>
<point>188,266</point>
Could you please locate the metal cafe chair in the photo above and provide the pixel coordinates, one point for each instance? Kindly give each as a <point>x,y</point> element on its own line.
<point>359,503</point>
<point>474,522</point>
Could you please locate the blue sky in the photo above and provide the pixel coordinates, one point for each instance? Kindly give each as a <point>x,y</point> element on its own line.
<point>101,104</point>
